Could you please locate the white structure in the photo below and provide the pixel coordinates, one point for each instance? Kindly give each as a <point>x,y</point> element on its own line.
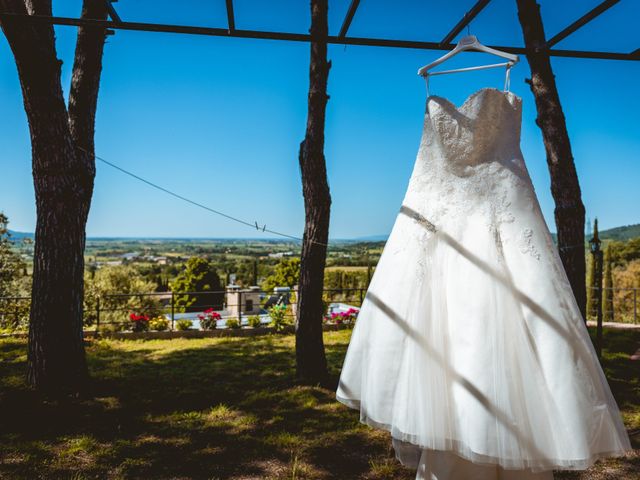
<point>281,254</point>
<point>242,300</point>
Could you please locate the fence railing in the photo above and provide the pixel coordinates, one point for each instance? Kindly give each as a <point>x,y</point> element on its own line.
<point>112,312</point>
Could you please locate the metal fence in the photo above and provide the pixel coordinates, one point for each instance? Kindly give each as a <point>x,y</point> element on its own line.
<point>618,304</point>
<point>112,312</point>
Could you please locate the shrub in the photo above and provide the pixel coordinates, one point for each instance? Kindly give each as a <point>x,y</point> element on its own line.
<point>232,323</point>
<point>139,323</point>
<point>159,324</point>
<point>208,319</point>
<point>285,273</point>
<point>200,278</point>
<point>14,313</point>
<point>107,283</point>
<point>184,324</point>
<point>114,327</point>
<point>277,313</point>
<point>254,321</point>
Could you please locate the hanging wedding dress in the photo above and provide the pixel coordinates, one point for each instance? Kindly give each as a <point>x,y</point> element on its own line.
<point>469,346</point>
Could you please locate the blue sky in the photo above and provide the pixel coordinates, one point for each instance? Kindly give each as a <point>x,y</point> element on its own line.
<point>220,120</point>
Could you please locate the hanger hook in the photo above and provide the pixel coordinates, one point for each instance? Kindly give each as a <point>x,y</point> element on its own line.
<point>468,29</point>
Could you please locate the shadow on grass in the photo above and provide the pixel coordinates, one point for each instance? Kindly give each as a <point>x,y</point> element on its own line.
<point>211,408</point>
<point>622,373</point>
<point>623,376</point>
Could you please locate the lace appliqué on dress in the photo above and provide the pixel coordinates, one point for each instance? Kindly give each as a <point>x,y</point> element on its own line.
<point>525,243</point>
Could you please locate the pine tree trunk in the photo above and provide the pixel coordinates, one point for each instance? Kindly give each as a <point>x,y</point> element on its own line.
<point>85,81</point>
<point>565,188</point>
<point>63,180</point>
<point>311,362</point>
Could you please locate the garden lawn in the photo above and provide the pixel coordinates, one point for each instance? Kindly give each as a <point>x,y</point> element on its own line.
<point>222,408</point>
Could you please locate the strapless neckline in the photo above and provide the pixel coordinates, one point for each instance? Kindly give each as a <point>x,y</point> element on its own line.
<point>509,95</point>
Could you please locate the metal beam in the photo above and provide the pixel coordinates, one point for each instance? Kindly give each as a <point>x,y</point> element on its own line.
<point>582,21</point>
<point>347,20</point>
<point>296,37</point>
<point>112,11</point>
<point>231,22</point>
<point>470,15</point>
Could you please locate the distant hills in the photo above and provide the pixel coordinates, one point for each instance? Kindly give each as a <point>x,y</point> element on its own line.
<point>372,238</point>
<point>17,236</point>
<point>621,233</point>
<point>618,233</point>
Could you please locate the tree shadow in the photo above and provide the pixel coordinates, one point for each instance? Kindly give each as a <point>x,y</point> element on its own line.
<point>222,409</point>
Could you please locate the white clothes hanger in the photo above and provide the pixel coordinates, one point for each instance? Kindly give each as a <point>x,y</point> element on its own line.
<point>470,42</point>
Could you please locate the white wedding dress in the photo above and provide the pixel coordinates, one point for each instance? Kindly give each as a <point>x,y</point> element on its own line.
<point>469,346</point>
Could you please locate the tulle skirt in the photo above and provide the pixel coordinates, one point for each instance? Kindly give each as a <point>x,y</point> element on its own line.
<point>438,465</point>
<point>469,341</point>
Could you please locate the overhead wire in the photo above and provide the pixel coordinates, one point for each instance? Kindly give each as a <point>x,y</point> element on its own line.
<point>253,225</point>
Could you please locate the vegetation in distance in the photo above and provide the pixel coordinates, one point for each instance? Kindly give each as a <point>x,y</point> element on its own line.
<point>141,265</point>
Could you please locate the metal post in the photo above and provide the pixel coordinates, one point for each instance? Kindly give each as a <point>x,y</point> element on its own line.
<point>597,257</point>
<point>596,252</point>
<point>240,307</point>
<point>173,311</point>
<point>361,296</point>
<point>97,315</point>
<point>635,305</point>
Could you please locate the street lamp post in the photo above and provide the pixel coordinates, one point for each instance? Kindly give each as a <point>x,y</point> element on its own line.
<point>597,257</point>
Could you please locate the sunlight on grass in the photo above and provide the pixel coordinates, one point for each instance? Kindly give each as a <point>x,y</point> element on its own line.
<point>284,440</point>
<point>299,469</point>
<point>632,418</point>
<point>386,468</point>
<point>79,445</point>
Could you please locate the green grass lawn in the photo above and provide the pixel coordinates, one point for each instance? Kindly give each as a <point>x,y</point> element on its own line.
<point>220,408</point>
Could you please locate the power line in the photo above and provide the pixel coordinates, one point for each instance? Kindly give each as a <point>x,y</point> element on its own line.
<point>255,225</point>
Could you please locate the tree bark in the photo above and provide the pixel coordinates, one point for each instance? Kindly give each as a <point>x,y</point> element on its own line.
<point>310,356</point>
<point>565,188</point>
<point>85,81</point>
<point>63,180</point>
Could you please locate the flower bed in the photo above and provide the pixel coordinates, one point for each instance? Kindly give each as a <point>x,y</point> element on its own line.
<point>209,319</point>
<point>347,317</point>
<point>139,323</point>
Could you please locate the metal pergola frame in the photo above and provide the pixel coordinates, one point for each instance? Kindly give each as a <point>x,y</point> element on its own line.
<point>116,23</point>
